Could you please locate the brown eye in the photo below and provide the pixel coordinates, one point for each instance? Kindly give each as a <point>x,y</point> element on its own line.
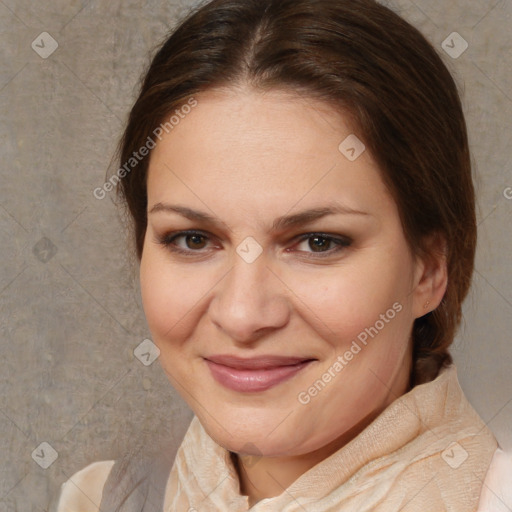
<point>195,241</point>
<point>319,243</point>
<point>322,245</point>
<point>185,242</point>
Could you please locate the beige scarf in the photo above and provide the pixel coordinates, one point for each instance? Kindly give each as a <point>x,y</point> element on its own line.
<point>428,451</point>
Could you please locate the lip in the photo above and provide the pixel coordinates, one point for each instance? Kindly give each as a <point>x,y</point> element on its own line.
<point>254,374</point>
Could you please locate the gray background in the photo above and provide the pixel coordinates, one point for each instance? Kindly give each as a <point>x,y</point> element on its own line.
<point>70,309</point>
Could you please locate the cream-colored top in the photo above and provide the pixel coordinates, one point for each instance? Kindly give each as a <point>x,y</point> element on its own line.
<point>405,459</point>
<point>82,492</point>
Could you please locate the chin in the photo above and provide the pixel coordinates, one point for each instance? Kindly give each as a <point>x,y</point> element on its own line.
<point>248,433</point>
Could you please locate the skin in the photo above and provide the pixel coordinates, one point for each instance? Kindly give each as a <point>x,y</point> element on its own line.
<point>246,158</point>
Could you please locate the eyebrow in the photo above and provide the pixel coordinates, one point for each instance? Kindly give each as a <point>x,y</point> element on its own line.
<point>281,223</point>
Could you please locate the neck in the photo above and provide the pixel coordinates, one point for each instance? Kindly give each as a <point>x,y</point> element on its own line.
<point>268,477</point>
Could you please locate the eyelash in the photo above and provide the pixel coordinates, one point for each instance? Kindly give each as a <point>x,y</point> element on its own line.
<point>168,242</point>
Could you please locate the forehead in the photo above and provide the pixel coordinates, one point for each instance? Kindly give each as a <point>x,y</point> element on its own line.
<point>234,122</point>
<point>262,149</point>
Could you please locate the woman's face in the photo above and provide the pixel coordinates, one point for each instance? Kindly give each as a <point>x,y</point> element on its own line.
<point>266,271</point>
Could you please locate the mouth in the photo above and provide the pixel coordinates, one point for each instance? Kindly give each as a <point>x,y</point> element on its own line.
<point>254,374</point>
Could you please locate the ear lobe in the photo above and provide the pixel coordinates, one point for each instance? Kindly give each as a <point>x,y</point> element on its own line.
<point>432,277</point>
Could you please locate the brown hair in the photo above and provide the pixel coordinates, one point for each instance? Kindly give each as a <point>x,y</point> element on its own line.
<point>362,58</point>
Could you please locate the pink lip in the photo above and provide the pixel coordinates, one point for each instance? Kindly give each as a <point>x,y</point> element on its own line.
<point>255,374</point>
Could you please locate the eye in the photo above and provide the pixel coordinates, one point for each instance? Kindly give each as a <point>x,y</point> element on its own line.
<point>322,244</point>
<point>194,243</point>
<point>191,242</point>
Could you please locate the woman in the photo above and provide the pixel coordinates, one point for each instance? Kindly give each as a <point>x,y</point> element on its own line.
<point>299,180</point>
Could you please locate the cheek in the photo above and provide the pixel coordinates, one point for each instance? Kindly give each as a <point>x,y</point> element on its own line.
<point>169,298</point>
<point>345,300</point>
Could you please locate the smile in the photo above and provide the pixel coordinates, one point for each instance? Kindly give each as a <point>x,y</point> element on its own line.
<point>251,375</point>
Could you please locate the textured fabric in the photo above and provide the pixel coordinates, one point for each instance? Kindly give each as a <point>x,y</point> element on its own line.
<point>404,461</point>
<point>496,492</point>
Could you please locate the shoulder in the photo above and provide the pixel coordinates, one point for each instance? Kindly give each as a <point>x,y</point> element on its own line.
<point>497,487</point>
<point>82,491</point>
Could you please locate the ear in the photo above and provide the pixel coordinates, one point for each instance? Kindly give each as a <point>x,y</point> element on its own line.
<point>431,275</point>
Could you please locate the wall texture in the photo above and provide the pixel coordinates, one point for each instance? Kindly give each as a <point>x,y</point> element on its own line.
<point>70,312</point>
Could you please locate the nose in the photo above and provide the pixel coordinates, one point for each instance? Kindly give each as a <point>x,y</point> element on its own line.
<point>250,301</point>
